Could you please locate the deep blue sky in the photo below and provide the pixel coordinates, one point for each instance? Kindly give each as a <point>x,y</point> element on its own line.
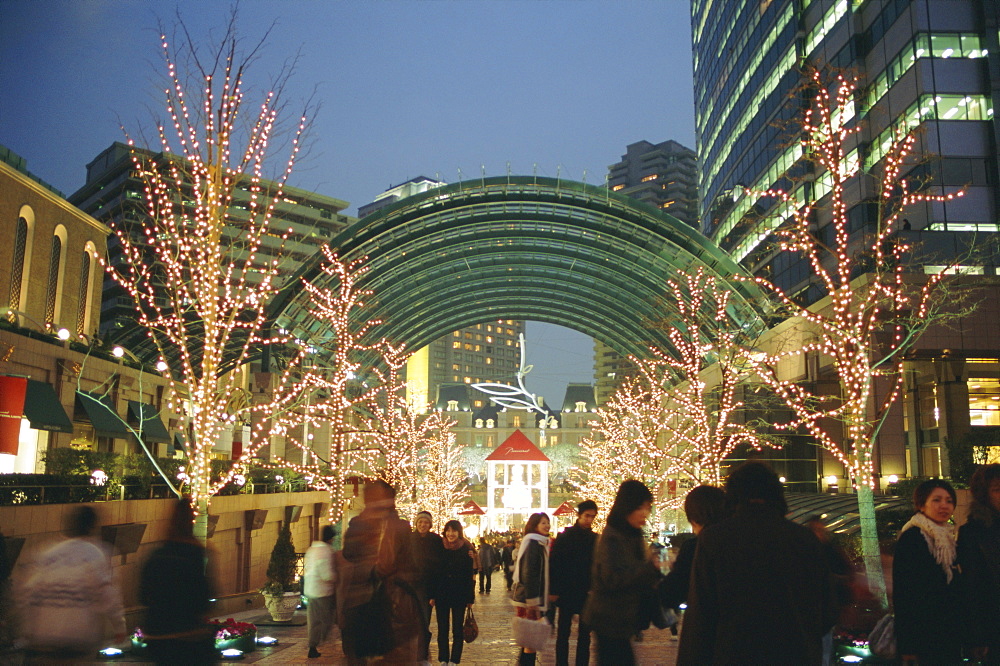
<point>405,89</point>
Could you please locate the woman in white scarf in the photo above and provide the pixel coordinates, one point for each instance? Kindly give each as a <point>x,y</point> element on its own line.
<point>530,594</point>
<point>925,580</point>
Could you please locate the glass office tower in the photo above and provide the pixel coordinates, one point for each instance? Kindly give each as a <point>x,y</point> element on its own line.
<point>925,65</point>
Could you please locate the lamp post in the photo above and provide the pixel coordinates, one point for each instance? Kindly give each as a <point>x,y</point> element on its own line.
<point>61,333</point>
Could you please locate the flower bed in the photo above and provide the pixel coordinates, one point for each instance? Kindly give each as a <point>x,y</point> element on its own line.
<point>229,634</point>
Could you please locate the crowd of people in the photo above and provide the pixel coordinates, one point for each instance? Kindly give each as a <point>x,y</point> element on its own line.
<point>758,588</point>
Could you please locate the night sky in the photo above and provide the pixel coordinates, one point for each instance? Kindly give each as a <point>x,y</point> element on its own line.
<point>403,89</point>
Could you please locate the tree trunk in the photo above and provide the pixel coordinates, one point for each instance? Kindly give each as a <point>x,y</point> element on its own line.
<point>869,543</point>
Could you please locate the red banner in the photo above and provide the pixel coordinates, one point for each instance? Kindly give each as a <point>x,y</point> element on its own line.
<point>12,390</point>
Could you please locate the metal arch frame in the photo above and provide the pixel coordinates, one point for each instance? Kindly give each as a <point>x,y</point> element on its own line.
<point>520,233</point>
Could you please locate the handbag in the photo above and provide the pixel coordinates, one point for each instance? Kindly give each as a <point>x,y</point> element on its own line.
<point>882,639</point>
<point>471,629</point>
<point>653,612</point>
<point>532,634</point>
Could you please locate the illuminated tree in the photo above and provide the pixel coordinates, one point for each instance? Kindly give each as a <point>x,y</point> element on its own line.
<point>621,445</point>
<point>701,382</point>
<point>681,413</point>
<point>441,482</point>
<point>872,309</point>
<point>341,395</point>
<point>200,272</point>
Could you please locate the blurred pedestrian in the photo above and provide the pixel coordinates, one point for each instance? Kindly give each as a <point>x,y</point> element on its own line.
<point>453,589</point>
<point>925,580</point>
<point>319,586</point>
<point>622,573</point>
<point>979,557</point>
<point>570,563</point>
<point>530,593</point>
<point>489,559</point>
<point>378,546</point>
<point>176,590</point>
<point>427,549</point>
<point>70,604</point>
<point>760,587</point>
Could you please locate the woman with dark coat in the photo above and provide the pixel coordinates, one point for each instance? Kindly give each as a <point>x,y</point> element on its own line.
<point>452,590</point>
<point>623,571</point>
<point>531,575</point>
<point>925,579</point>
<point>979,556</point>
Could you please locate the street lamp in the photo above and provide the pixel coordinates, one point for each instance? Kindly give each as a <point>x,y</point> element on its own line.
<point>61,333</point>
<point>120,352</point>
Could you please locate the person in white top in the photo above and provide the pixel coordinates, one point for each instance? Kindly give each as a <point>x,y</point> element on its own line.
<point>71,599</point>
<point>319,586</point>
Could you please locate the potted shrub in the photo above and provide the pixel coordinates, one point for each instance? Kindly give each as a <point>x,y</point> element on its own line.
<point>281,593</point>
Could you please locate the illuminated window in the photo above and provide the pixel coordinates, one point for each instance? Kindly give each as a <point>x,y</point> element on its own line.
<point>516,420</point>
<point>17,275</point>
<point>52,288</point>
<point>617,187</point>
<point>650,177</point>
<point>489,361</point>
<point>479,423</point>
<point>490,423</point>
<point>453,405</point>
<point>468,380</point>
<point>81,317</point>
<point>456,345</point>
<point>984,401</point>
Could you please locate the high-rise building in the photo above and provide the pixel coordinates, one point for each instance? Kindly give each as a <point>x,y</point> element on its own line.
<point>663,174</point>
<point>114,193</point>
<point>401,191</point>
<point>666,176</point>
<point>926,65</point>
<point>486,352</point>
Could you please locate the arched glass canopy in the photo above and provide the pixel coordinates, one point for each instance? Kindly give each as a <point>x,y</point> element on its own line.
<point>521,247</point>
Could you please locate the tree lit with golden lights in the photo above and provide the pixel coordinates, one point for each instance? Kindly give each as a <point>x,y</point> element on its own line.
<point>872,309</point>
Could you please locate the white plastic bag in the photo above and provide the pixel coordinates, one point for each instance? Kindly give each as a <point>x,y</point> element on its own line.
<point>532,634</point>
<point>882,639</point>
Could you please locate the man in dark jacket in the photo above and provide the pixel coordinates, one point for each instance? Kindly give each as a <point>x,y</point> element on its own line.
<point>427,550</point>
<point>569,563</point>
<point>761,590</point>
<point>488,561</point>
<point>507,562</point>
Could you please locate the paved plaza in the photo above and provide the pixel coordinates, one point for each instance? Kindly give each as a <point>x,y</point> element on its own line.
<point>494,645</point>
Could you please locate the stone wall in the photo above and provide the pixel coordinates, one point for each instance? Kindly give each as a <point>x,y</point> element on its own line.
<point>238,553</point>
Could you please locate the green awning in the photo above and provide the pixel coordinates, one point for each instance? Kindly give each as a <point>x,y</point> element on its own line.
<point>151,426</point>
<point>103,416</point>
<point>43,409</point>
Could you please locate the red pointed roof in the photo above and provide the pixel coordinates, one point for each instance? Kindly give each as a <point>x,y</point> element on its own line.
<point>519,448</point>
<point>472,509</point>
<point>564,509</point>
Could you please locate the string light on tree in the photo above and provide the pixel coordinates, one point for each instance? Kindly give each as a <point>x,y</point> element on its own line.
<point>873,309</point>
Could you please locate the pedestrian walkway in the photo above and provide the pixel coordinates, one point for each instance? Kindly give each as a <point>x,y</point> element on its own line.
<point>494,645</point>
